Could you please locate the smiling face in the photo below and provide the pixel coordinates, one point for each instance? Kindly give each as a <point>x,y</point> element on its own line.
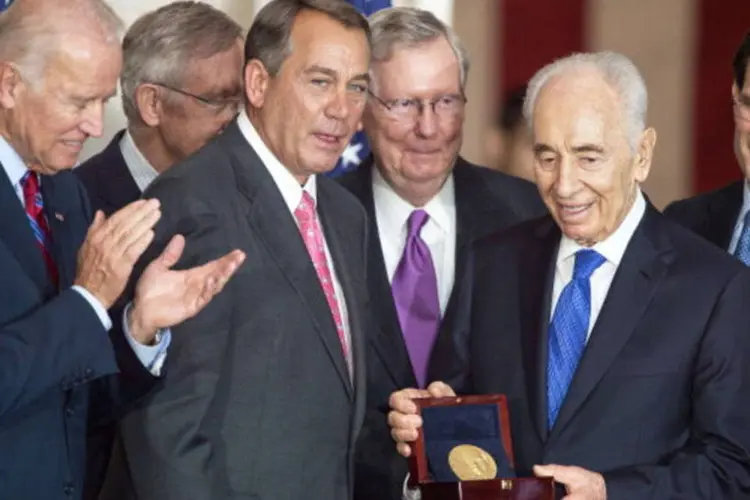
<point>48,123</point>
<point>416,153</point>
<point>307,113</point>
<point>586,170</point>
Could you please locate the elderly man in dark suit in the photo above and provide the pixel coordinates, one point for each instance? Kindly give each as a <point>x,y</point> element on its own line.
<point>422,199</point>
<point>721,216</point>
<point>623,348</point>
<point>60,271</point>
<point>265,393</point>
<point>181,86</point>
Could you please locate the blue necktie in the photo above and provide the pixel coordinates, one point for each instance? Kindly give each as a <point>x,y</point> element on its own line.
<point>742,251</point>
<point>568,330</point>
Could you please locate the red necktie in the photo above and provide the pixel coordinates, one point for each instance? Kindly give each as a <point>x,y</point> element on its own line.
<point>34,204</point>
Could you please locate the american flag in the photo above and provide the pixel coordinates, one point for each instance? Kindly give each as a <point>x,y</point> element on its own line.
<point>357,150</point>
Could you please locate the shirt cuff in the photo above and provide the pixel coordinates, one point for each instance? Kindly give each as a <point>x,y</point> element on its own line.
<point>96,305</point>
<point>410,493</point>
<point>151,356</point>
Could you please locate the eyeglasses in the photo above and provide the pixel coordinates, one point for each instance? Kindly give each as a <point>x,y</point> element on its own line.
<point>446,106</point>
<point>217,105</point>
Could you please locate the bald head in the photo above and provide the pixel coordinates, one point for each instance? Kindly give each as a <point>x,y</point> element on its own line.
<point>31,31</point>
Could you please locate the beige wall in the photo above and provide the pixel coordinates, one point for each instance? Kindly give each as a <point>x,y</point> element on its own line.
<point>659,37</point>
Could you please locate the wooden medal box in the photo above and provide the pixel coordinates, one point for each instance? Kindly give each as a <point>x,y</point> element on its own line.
<point>481,421</point>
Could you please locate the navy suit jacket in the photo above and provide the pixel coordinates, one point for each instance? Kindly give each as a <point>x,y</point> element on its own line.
<point>55,356</point>
<point>108,181</point>
<point>712,215</point>
<point>486,201</point>
<point>658,402</point>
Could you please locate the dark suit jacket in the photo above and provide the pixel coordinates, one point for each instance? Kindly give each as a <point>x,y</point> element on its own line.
<point>54,352</point>
<point>657,404</point>
<point>712,215</point>
<point>108,181</point>
<point>486,201</point>
<point>110,187</point>
<point>257,403</point>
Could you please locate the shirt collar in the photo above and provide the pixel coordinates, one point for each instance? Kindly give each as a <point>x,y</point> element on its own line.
<point>613,247</point>
<point>142,171</point>
<point>395,211</point>
<point>12,162</point>
<point>290,188</point>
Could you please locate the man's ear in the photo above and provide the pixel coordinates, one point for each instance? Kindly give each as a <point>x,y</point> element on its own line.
<point>149,103</point>
<point>645,154</point>
<point>11,85</point>
<point>257,79</point>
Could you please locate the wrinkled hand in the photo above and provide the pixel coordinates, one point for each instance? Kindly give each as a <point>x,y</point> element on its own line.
<point>403,418</point>
<point>164,298</point>
<point>112,247</point>
<point>580,484</point>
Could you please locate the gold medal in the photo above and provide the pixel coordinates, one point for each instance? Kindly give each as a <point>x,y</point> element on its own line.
<point>471,463</point>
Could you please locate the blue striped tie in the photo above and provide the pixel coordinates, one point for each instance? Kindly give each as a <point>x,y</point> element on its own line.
<point>742,251</point>
<point>568,331</point>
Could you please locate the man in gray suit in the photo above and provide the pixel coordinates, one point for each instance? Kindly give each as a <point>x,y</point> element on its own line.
<point>264,395</point>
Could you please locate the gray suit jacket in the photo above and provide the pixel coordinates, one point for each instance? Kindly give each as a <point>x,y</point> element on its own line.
<point>256,402</point>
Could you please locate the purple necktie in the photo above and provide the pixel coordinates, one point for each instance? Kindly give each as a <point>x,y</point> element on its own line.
<point>415,293</point>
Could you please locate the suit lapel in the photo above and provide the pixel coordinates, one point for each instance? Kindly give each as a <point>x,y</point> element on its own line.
<point>388,340</point>
<point>537,274</point>
<point>57,208</point>
<point>17,235</point>
<point>722,217</point>
<point>269,216</point>
<point>345,253</point>
<point>644,264</point>
<point>116,184</point>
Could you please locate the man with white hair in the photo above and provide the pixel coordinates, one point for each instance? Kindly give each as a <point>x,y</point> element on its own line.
<point>61,374</point>
<point>425,201</point>
<point>624,350</point>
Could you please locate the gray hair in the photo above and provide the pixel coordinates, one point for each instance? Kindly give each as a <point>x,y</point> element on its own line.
<point>268,40</point>
<point>160,45</point>
<point>399,27</point>
<point>616,69</point>
<point>32,31</point>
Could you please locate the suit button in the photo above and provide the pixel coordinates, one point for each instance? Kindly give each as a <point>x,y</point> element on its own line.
<point>69,489</point>
<point>89,372</point>
<point>69,411</point>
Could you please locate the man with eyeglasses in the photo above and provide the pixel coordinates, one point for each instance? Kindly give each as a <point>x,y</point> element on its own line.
<point>181,85</point>
<point>723,216</point>
<point>427,204</point>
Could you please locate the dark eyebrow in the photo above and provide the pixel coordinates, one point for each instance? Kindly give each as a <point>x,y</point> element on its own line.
<point>363,76</point>
<point>321,69</point>
<point>588,148</point>
<point>315,68</point>
<point>542,148</point>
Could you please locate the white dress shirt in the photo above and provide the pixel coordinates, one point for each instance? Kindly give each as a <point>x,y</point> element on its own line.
<point>741,219</point>
<point>140,169</point>
<point>439,232</point>
<point>612,249</point>
<point>152,357</point>
<point>292,191</point>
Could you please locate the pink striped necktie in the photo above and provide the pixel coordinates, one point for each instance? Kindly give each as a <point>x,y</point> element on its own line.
<point>312,234</point>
